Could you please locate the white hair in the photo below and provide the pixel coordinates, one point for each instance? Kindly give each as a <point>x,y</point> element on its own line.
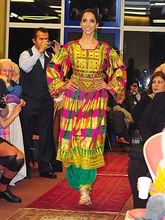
<point>6,60</point>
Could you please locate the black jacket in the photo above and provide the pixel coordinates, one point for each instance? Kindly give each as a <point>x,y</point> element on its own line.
<point>3,89</point>
<point>139,108</point>
<point>153,117</point>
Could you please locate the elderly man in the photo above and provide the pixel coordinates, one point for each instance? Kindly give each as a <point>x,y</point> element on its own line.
<point>6,73</point>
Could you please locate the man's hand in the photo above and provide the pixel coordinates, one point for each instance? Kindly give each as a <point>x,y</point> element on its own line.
<point>4,78</point>
<point>56,46</point>
<point>108,109</point>
<point>43,46</point>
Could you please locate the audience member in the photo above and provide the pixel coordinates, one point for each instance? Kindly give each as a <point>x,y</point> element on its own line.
<point>155,208</point>
<point>147,96</point>
<point>116,124</point>
<point>132,73</point>
<point>152,121</point>
<point>125,107</point>
<point>6,73</point>
<point>134,88</point>
<point>39,108</point>
<point>11,159</point>
<point>83,118</point>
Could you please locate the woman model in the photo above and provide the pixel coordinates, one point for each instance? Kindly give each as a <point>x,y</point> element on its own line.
<point>83,117</point>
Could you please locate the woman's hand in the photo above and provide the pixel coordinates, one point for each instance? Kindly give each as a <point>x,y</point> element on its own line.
<point>152,187</point>
<point>22,102</point>
<point>4,78</point>
<point>101,85</point>
<point>16,110</point>
<point>69,85</point>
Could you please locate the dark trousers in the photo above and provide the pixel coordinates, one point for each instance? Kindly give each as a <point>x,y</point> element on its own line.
<point>136,169</point>
<point>116,124</point>
<point>39,114</point>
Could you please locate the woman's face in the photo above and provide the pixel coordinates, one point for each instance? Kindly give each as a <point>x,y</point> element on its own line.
<point>158,84</point>
<point>88,23</point>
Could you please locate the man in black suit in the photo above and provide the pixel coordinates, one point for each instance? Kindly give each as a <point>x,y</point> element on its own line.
<point>39,108</point>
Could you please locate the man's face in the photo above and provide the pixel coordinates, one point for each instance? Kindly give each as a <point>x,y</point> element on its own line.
<point>6,69</point>
<point>41,37</point>
<point>134,87</point>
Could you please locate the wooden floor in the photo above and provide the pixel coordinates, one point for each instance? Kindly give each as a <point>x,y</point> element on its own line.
<point>30,189</point>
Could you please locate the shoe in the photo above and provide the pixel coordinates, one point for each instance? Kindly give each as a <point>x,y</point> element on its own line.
<point>125,149</point>
<point>9,197</point>
<point>121,140</point>
<point>48,175</point>
<point>85,198</point>
<point>57,166</point>
<point>28,176</point>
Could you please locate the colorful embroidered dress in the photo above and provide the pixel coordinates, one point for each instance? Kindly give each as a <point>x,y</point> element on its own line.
<point>83,119</point>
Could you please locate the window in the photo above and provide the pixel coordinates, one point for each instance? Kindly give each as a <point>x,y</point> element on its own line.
<point>107,10</point>
<point>38,11</point>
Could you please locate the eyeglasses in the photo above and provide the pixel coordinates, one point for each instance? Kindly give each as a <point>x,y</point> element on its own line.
<point>5,70</point>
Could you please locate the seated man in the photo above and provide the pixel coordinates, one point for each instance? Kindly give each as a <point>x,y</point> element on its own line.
<point>116,123</point>
<point>6,74</point>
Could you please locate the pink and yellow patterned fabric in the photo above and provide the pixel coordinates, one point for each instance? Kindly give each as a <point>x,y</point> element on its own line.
<point>83,119</point>
<point>5,133</point>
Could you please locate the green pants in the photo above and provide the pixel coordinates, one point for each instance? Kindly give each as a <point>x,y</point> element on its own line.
<point>79,178</point>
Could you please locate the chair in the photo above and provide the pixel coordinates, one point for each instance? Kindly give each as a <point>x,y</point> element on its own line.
<point>153,151</point>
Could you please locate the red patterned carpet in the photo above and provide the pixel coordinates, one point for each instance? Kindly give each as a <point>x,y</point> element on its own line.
<point>115,164</point>
<point>110,191</point>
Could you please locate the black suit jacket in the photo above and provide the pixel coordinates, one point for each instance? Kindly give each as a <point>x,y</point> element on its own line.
<point>153,117</point>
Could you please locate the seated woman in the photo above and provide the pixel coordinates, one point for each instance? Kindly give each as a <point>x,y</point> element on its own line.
<point>11,160</point>
<point>156,204</point>
<point>151,119</point>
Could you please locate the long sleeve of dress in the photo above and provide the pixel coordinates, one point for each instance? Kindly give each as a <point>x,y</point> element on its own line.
<point>56,70</point>
<point>116,76</point>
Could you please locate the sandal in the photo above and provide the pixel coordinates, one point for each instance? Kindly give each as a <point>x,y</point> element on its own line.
<point>85,198</point>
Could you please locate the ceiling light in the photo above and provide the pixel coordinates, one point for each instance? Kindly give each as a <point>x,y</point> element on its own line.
<point>158,21</point>
<point>22,0</point>
<point>57,11</point>
<point>40,18</point>
<point>158,4</point>
<point>12,14</point>
<point>135,12</point>
<point>135,8</point>
<point>52,6</point>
